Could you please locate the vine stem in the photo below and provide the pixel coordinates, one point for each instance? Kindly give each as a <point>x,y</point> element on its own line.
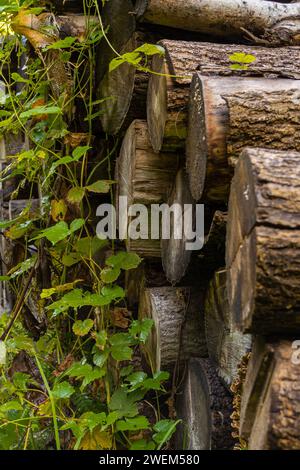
<point>52,401</point>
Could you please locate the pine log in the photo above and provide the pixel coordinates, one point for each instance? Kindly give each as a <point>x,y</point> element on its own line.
<point>119,24</point>
<point>226,346</point>
<point>175,256</point>
<point>204,406</point>
<point>270,415</point>
<point>124,90</point>
<point>260,21</point>
<point>263,242</point>
<point>178,331</point>
<point>144,178</point>
<point>168,95</point>
<point>268,110</point>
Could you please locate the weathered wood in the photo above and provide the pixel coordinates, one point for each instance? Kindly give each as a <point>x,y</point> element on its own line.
<point>175,256</point>
<point>178,332</point>
<point>204,406</point>
<point>119,24</point>
<point>124,90</point>
<point>270,416</point>
<point>257,20</point>
<point>144,178</point>
<point>168,95</point>
<point>226,346</point>
<point>263,242</point>
<point>270,112</point>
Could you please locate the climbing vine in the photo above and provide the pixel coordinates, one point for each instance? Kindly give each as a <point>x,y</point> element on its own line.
<point>71,375</point>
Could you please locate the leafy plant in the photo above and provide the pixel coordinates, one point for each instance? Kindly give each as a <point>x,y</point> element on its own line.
<point>74,383</point>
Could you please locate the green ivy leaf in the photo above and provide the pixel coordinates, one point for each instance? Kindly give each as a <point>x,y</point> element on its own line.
<point>20,380</point>
<point>238,67</point>
<point>150,49</point>
<point>124,260</point>
<point>88,247</point>
<point>81,328</point>
<point>75,195</point>
<point>133,424</point>
<point>85,372</point>
<point>40,110</point>
<point>71,259</point>
<point>136,380</point>
<point>120,346</point>
<point>140,329</point>
<point>164,430</point>
<point>109,274</point>
<point>55,233</point>
<point>91,420</point>
<point>80,151</point>
<point>63,390</point>
<point>102,186</point>
<point>155,383</point>
<point>62,43</point>
<point>242,58</point>
<point>124,403</point>
<point>12,405</point>
<point>100,357</point>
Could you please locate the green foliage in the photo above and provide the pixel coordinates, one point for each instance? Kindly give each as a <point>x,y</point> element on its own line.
<point>241,60</point>
<point>137,58</point>
<point>79,375</point>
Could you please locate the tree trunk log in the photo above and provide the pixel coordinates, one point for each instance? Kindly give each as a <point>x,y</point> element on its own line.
<point>145,178</point>
<point>124,90</point>
<point>263,242</point>
<point>168,96</point>
<point>204,406</point>
<point>214,140</point>
<point>226,346</point>
<point>175,256</point>
<point>178,331</point>
<point>120,24</point>
<point>270,416</point>
<point>260,21</point>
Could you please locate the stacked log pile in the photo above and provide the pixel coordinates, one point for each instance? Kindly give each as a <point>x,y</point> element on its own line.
<point>207,119</point>
<point>203,127</point>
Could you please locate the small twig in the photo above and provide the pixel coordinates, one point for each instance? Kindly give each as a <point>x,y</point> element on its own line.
<point>254,38</point>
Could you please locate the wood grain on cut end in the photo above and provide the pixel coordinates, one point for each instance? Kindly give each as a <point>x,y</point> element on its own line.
<point>205,406</point>
<point>144,177</point>
<point>178,331</point>
<point>175,256</point>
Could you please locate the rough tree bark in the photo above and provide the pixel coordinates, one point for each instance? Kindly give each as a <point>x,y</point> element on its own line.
<point>257,20</point>
<point>175,256</point>
<point>268,110</point>
<point>205,406</point>
<point>226,346</point>
<point>270,416</point>
<point>145,178</point>
<point>168,95</point>
<point>178,332</point>
<point>263,242</point>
